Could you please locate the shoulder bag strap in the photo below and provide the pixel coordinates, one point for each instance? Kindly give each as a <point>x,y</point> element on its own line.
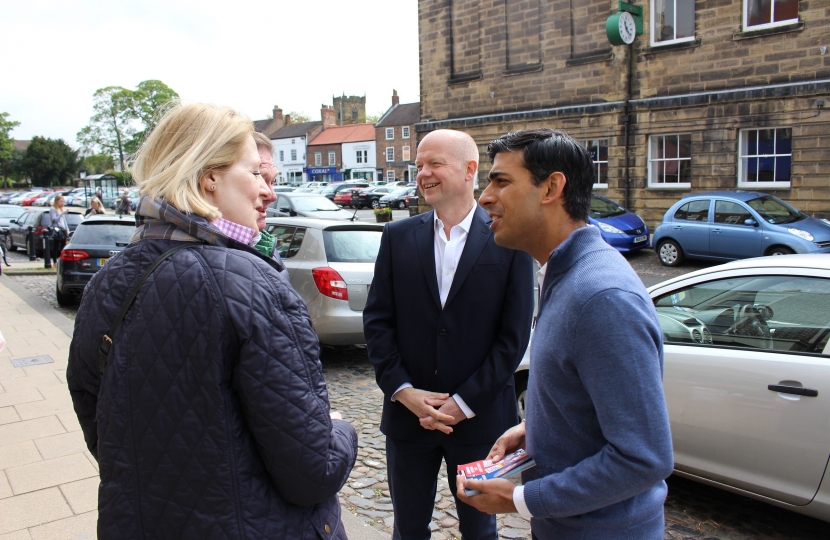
<point>106,342</point>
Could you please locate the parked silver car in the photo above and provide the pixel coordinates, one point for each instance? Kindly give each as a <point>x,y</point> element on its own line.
<point>331,265</point>
<point>747,377</point>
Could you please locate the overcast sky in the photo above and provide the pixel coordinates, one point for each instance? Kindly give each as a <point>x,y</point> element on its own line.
<point>250,55</point>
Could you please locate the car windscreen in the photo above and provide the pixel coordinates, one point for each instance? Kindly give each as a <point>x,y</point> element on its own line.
<point>351,245</point>
<point>775,211</point>
<point>10,212</point>
<point>603,208</point>
<point>399,192</point>
<point>104,233</point>
<point>313,204</point>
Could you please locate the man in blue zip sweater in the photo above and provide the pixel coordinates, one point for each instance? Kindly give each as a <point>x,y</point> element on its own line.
<point>596,419</point>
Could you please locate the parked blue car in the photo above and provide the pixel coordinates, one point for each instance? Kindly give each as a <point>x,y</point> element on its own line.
<point>622,229</point>
<point>729,225</point>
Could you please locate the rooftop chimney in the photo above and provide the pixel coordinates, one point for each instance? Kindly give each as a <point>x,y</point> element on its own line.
<point>287,119</point>
<point>395,99</point>
<point>328,116</point>
<point>278,120</point>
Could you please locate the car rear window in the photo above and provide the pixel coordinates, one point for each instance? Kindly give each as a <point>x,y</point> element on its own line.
<point>351,245</point>
<point>104,233</point>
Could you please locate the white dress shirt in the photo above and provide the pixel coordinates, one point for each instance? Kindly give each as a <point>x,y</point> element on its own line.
<point>447,254</point>
<point>519,491</point>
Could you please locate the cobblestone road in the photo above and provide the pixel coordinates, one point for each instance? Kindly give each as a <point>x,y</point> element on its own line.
<point>693,511</point>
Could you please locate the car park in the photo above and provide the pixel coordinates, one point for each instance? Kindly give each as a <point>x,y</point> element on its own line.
<point>621,229</point>
<point>397,199</point>
<point>39,220</point>
<point>6,195</point>
<point>730,225</point>
<point>95,240</point>
<point>17,198</point>
<point>309,205</point>
<point>747,377</point>
<point>369,197</point>
<point>31,197</point>
<point>8,212</point>
<point>331,265</point>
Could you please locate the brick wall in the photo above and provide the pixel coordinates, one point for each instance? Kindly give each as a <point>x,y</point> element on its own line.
<point>324,150</point>
<point>400,165</point>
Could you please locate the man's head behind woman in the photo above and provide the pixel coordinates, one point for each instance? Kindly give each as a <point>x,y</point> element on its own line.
<point>188,142</point>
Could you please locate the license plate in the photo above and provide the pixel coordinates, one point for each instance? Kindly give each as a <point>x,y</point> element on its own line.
<point>640,239</point>
<point>102,261</point>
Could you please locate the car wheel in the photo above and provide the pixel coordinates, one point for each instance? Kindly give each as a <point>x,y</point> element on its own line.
<point>670,253</point>
<point>375,203</point>
<point>780,250</point>
<point>521,393</point>
<point>402,205</point>
<point>9,244</point>
<point>64,300</point>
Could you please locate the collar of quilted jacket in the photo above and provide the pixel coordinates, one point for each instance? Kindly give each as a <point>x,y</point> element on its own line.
<point>155,218</point>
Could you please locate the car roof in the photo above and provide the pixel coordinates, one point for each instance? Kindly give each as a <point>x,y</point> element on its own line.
<point>291,194</point>
<point>735,194</point>
<point>115,218</point>
<point>817,261</point>
<point>320,223</point>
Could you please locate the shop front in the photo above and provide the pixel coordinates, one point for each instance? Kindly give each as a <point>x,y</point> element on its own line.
<point>323,174</point>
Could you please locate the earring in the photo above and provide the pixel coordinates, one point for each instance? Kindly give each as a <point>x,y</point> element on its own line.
<point>213,188</point>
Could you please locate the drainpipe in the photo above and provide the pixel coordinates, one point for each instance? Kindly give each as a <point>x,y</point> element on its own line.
<point>627,127</point>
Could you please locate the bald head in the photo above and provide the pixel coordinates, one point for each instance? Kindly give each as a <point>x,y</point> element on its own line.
<point>457,143</point>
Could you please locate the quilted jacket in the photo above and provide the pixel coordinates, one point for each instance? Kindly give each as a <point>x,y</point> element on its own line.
<point>211,419</point>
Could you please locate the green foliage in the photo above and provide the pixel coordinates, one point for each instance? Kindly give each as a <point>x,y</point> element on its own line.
<point>97,164</point>
<point>122,118</point>
<point>373,118</point>
<point>299,118</point>
<point>124,178</point>
<point>49,162</point>
<point>6,147</point>
<point>383,211</point>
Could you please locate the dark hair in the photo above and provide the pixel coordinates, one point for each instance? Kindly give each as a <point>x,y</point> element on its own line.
<point>546,151</point>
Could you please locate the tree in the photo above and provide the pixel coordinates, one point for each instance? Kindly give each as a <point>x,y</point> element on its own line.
<point>299,118</point>
<point>49,162</point>
<point>374,118</point>
<point>6,146</point>
<point>111,126</point>
<point>97,164</point>
<point>123,118</point>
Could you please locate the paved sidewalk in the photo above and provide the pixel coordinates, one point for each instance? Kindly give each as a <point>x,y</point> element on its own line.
<point>48,479</point>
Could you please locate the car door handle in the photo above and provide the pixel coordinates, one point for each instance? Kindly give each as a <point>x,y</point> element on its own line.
<point>716,230</point>
<point>797,390</point>
<point>678,226</point>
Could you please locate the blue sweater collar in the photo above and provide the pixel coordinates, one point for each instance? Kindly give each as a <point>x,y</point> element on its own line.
<point>578,243</point>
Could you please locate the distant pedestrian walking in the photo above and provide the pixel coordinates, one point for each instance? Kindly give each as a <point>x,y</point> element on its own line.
<point>124,205</point>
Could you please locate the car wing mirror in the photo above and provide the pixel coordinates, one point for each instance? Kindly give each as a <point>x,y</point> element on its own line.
<point>292,213</point>
<point>751,222</point>
<point>12,221</point>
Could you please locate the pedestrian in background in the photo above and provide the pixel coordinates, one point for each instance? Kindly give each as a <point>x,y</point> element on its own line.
<point>59,227</point>
<point>209,415</point>
<point>447,321</point>
<point>596,419</point>
<point>124,205</point>
<point>95,207</point>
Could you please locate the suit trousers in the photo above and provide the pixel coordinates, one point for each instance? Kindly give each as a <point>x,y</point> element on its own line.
<point>413,468</point>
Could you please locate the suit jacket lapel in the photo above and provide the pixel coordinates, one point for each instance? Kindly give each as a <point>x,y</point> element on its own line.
<point>425,246</point>
<point>476,240</point>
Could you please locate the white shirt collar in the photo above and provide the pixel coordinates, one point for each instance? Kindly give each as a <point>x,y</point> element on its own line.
<point>465,223</point>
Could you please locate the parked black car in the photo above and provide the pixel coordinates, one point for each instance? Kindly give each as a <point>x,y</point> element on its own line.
<point>38,218</point>
<point>368,196</point>
<point>8,212</point>
<point>332,189</point>
<point>95,240</point>
<point>398,198</point>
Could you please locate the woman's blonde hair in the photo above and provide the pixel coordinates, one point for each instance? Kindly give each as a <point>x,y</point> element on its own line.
<point>188,142</point>
<point>55,201</point>
<point>96,200</point>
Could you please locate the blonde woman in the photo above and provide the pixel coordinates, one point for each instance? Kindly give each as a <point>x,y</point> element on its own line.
<point>95,207</point>
<point>60,229</point>
<point>208,413</point>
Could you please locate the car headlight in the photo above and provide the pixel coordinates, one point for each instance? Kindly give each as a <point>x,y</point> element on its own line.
<point>608,228</point>
<point>801,234</point>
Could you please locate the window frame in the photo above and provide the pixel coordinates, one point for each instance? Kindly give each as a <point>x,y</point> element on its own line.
<point>653,28</point>
<point>390,175</point>
<point>293,154</point>
<point>406,154</point>
<point>742,182</point>
<point>332,157</point>
<point>282,156</point>
<point>405,132</point>
<point>318,159</point>
<point>598,162</point>
<point>662,185</point>
<point>388,159</point>
<point>771,24</point>
<point>390,134</point>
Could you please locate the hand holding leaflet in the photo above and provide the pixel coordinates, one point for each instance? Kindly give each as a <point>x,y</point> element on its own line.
<point>510,465</point>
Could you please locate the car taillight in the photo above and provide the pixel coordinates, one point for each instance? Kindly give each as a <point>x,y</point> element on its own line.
<point>73,255</point>
<point>330,283</point>
<point>40,229</point>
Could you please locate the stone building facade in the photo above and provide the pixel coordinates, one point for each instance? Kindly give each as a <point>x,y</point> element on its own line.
<point>715,94</point>
<point>397,142</point>
<point>349,109</point>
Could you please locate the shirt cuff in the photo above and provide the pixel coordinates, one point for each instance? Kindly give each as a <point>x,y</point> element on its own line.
<point>463,406</point>
<point>519,501</point>
<point>401,387</point>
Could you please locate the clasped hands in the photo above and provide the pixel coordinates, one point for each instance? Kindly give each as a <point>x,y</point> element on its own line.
<point>434,410</point>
